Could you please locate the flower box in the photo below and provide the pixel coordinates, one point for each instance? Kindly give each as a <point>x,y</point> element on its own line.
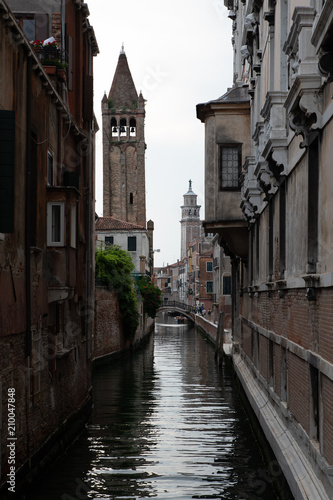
<point>50,70</point>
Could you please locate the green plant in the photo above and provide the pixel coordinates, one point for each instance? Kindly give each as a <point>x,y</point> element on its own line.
<point>114,268</point>
<point>53,62</point>
<point>151,296</point>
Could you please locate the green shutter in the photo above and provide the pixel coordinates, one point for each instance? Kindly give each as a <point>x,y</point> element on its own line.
<point>7,169</point>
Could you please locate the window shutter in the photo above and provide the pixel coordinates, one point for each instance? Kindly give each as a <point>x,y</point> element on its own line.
<point>42,26</point>
<point>7,170</point>
<point>88,108</point>
<point>69,47</point>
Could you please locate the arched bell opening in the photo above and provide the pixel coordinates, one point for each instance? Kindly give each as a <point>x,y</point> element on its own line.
<point>114,127</point>
<point>123,127</point>
<point>132,127</point>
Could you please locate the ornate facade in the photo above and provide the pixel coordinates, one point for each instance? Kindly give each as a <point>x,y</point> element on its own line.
<point>274,219</point>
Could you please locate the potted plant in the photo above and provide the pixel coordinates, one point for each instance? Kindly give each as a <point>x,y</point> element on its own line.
<point>50,50</point>
<point>61,70</point>
<point>37,45</point>
<point>49,66</point>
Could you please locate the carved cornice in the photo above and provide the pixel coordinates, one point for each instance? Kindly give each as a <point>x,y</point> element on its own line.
<point>322,25</point>
<point>303,17</point>
<point>250,191</point>
<point>304,106</point>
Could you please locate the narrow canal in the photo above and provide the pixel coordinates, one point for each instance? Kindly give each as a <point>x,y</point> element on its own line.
<point>166,423</point>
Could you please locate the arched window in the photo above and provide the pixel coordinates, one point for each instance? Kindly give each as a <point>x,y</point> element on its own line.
<point>123,127</point>
<point>132,127</point>
<point>114,127</point>
<point>131,198</point>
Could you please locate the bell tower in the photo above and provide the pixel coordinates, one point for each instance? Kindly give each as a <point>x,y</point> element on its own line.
<point>190,221</point>
<point>123,114</point>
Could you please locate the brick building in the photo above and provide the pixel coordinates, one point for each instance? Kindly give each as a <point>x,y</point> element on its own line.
<point>124,193</point>
<point>268,148</point>
<point>123,114</point>
<point>46,228</point>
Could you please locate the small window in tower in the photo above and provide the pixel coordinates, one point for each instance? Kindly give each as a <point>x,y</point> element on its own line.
<point>123,127</point>
<point>195,211</point>
<point>131,198</point>
<point>132,127</point>
<point>114,128</point>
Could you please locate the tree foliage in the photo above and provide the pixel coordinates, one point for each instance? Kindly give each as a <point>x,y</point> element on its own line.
<point>114,268</point>
<point>151,296</point>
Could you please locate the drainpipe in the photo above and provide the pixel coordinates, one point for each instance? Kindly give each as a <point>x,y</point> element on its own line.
<point>28,213</point>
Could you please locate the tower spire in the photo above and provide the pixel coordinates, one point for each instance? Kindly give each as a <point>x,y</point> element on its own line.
<point>122,49</point>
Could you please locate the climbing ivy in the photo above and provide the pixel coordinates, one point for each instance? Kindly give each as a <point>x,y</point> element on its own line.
<point>151,296</point>
<point>114,269</point>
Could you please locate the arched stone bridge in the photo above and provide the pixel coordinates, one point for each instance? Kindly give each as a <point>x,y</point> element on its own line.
<point>180,307</point>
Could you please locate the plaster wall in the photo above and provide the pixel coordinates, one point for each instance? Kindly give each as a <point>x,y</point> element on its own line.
<point>296,221</point>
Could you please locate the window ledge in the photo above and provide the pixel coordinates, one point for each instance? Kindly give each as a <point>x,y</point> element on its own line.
<point>63,353</point>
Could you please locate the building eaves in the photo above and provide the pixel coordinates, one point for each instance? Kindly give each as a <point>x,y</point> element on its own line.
<point>20,38</point>
<point>111,224</point>
<point>235,95</point>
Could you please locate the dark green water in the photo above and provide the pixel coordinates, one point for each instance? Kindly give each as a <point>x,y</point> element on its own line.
<point>167,424</point>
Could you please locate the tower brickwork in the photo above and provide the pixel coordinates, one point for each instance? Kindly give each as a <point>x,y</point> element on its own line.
<point>123,114</point>
<point>190,221</point>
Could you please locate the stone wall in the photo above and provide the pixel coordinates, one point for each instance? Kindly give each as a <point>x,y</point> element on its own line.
<point>108,335</point>
<point>109,338</point>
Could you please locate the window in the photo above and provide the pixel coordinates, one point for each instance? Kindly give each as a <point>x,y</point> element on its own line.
<point>209,267</point>
<point>226,285</point>
<point>49,168</point>
<point>131,198</point>
<point>230,160</point>
<point>55,224</point>
<point>313,204</point>
<point>209,286</point>
<point>35,26</point>
<point>282,229</point>
<point>271,239</point>
<point>131,243</point>
<point>73,225</point>
<point>108,240</point>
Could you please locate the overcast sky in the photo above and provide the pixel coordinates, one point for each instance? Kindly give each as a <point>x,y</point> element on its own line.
<point>180,54</point>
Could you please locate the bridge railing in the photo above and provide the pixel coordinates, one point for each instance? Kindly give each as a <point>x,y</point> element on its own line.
<point>180,305</point>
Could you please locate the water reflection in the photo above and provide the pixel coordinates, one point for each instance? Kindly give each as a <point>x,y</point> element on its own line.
<point>165,424</point>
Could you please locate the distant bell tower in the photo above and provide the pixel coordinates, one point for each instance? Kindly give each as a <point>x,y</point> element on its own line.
<point>123,114</point>
<point>190,221</point>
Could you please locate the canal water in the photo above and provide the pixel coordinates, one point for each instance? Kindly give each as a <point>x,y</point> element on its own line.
<point>167,423</point>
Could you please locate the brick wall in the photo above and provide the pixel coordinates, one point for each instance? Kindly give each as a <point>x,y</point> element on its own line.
<point>298,390</point>
<point>327,398</point>
<point>108,337</point>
